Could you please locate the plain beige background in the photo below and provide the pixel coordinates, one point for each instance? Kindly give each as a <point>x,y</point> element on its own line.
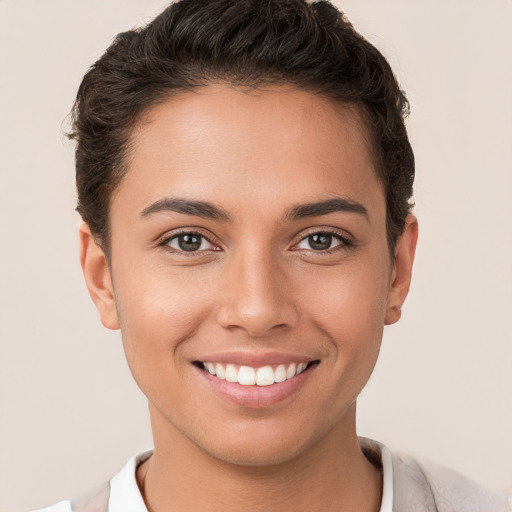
<point>70,415</point>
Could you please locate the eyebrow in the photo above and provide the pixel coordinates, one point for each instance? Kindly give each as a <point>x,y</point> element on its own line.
<point>318,208</point>
<point>188,207</point>
<point>210,211</point>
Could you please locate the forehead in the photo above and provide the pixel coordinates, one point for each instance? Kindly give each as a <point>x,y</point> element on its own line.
<point>250,146</point>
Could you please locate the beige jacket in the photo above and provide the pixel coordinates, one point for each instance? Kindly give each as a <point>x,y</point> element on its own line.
<point>426,487</point>
<point>417,487</point>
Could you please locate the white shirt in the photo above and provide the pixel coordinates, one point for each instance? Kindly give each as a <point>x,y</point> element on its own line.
<point>125,495</point>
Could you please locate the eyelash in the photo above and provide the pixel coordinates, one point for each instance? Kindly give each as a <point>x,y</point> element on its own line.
<point>164,242</point>
<point>345,242</point>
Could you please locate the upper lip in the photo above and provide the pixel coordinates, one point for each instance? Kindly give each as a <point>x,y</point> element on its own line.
<point>253,359</point>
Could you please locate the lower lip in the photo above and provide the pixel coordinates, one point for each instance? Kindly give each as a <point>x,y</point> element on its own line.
<point>257,397</point>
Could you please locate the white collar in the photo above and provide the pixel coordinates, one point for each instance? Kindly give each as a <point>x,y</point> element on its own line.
<point>386,461</point>
<point>387,477</point>
<point>125,495</point>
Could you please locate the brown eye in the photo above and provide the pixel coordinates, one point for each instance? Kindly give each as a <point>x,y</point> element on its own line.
<point>189,242</point>
<point>320,241</point>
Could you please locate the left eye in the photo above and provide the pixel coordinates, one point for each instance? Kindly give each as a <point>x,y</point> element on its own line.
<point>320,241</point>
<point>189,242</point>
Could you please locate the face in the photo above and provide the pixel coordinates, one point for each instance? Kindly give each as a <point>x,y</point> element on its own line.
<point>250,273</point>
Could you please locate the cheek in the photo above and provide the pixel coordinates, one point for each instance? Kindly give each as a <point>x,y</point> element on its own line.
<point>350,309</point>
<point>156,315</point>
<point>351,300</point>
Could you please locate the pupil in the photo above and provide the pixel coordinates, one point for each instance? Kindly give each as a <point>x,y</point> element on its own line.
<point>320,241</point>
<point>189,242</point>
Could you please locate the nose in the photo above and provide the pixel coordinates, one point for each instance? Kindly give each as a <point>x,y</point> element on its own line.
<point>256,297</point>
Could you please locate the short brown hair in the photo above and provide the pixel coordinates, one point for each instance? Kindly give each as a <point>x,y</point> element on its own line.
<point>243,42</point>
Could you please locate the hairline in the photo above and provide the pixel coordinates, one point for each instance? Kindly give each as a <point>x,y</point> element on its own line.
<point>361,115</point>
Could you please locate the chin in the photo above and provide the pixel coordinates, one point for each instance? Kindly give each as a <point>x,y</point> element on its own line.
<point>256,455</point>
<point>266,447</point>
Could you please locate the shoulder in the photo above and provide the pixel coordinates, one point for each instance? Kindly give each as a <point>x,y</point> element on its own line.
<point>121,494</point>
<point>62,506</point>
<point>95,501</point>
<point>425,486</point>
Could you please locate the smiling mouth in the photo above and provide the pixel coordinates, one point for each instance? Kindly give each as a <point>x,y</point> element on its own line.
<point>250,376</point>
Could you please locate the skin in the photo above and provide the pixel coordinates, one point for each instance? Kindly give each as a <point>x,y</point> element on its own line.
<point>255,286</point>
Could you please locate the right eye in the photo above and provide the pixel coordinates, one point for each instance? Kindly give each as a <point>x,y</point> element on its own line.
<point>189,242</point>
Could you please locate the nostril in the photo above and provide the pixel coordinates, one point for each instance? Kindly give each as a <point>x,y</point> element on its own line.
<point>258,313</point>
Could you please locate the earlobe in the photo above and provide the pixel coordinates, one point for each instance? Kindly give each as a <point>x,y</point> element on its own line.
<point>402,270</point>
<point>97,277</point>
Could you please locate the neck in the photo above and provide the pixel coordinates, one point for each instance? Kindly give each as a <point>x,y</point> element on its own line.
<point>331,475</point>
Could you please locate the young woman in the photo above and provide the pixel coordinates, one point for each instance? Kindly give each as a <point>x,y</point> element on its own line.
<point>244,177</point>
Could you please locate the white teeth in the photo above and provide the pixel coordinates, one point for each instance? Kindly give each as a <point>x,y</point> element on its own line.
<point>280,373</point>
<point>248,376</point>
<point>291,371</point>
<point>231,373</point>
<point>219,371</point>
<point>265,376</point>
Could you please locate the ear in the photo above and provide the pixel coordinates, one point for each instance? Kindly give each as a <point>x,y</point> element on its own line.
<point>97,278</point>
<point>402,269</point>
